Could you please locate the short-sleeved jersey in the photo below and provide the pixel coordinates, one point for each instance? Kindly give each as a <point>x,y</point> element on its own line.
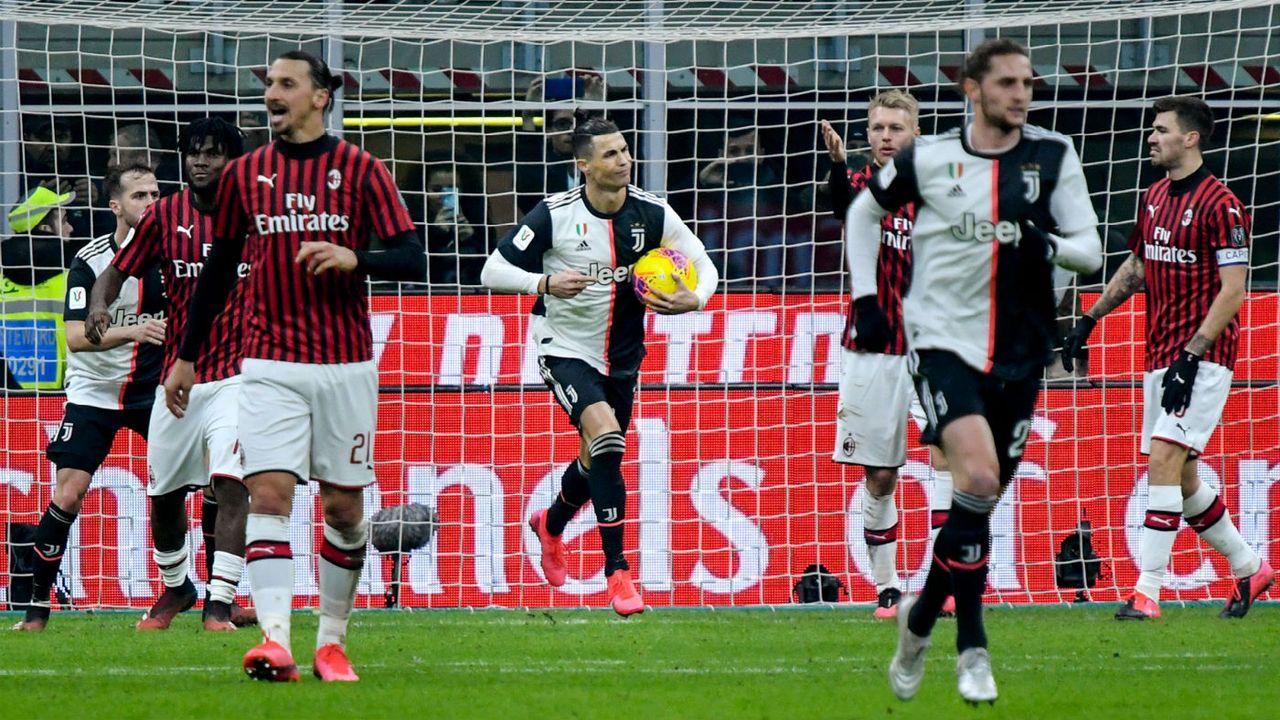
<point>1186,230</point>
<point>282,195</point>
<point>124,377</point>
<point>176,236</point>
<point>604,324</point>
<point>974,291</point>
<point>893,269</point>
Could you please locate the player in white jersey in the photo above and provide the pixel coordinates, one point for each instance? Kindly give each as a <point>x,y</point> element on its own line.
<point>998,203</point>
<point>575,249</point>
<point>110,385</point>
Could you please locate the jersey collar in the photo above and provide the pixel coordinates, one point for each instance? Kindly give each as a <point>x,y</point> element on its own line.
<point>1188,183</point>
<point>587,204</point>
<point>307,150</point>
<point>964,143</point>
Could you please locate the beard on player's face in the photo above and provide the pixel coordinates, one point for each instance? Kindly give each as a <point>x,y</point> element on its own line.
<point>291,112</point>
<point>1001,118</point>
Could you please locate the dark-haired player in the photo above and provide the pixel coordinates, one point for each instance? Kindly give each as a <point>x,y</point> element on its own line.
<point>305,207</point>
<point>110,384</point>
<point>201,450</point>
<point>998,203</point>
<point>1190,249</point>
<point>575,249</point>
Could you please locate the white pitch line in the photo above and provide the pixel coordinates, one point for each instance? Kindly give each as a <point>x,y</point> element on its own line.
<point>856,666</point>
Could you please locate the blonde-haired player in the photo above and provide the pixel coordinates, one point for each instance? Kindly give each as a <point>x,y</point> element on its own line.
<point>875,385</point>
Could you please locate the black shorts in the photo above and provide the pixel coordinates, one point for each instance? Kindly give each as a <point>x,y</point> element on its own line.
<point>86,434</point>
<point>577,386</point>
<point>949,389</point>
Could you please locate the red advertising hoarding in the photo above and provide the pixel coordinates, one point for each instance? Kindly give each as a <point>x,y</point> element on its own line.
<point>731,494</point>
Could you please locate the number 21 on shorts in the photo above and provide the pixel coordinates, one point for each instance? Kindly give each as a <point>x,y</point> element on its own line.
<point>360,449</point>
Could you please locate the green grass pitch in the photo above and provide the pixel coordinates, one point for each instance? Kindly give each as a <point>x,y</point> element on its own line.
<point>794,663</point>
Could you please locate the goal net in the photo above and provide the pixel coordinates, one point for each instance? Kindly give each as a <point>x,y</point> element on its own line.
<point>732,490</point>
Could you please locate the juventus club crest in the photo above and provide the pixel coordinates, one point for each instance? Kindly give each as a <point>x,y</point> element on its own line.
<point>637,237</point>
<point>1031,181</point>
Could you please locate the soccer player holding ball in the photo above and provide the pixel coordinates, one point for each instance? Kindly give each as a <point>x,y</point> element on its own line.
<point>576,250</point>
<point>998,204</point>
<point>1190,249</point>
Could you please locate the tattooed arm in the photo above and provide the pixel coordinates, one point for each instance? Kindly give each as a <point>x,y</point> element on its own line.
<point>1128,280</point>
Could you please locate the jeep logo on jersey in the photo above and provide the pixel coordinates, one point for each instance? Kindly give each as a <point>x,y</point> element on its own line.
<point>605,274</point>
<point>1031,178</point>
<point>122,318</point>
<point>970,228</point>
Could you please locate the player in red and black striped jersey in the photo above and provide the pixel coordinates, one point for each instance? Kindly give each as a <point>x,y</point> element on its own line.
<point>1190,249</point>
<point>875,385</point>
<point>199,453</point>
<point>305,207</point>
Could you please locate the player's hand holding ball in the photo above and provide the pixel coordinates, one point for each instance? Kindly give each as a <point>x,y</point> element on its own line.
<point>319,257</point>
<point>663,279</point>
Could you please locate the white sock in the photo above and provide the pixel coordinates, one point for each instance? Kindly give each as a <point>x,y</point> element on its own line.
<point>880,530</point>
<point>1164,516</point>
<point>341,560</point>
<point>173,565</point>
<point>269,560</point>
<point>939,502</point>
<point>227,569</point>
<point>1207,514</point>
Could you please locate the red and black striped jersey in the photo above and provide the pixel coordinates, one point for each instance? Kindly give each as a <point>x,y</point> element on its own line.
<point>177,236</point>
<point>1186,230</point>
<point>893,272</point>
<point>282,195</point>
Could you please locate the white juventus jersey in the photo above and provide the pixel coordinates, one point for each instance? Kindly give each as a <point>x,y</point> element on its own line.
<point>603,325</point>
<point>973,292</point>
<point>126,376</point>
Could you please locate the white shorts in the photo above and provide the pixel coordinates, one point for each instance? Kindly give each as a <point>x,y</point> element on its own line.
<point>875,396</point>
<point>314,421</point>
<point>184,453</point>
<point>1195,425</point>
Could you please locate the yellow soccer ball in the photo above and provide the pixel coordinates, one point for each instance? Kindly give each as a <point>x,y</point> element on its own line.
<point>658,270</point>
